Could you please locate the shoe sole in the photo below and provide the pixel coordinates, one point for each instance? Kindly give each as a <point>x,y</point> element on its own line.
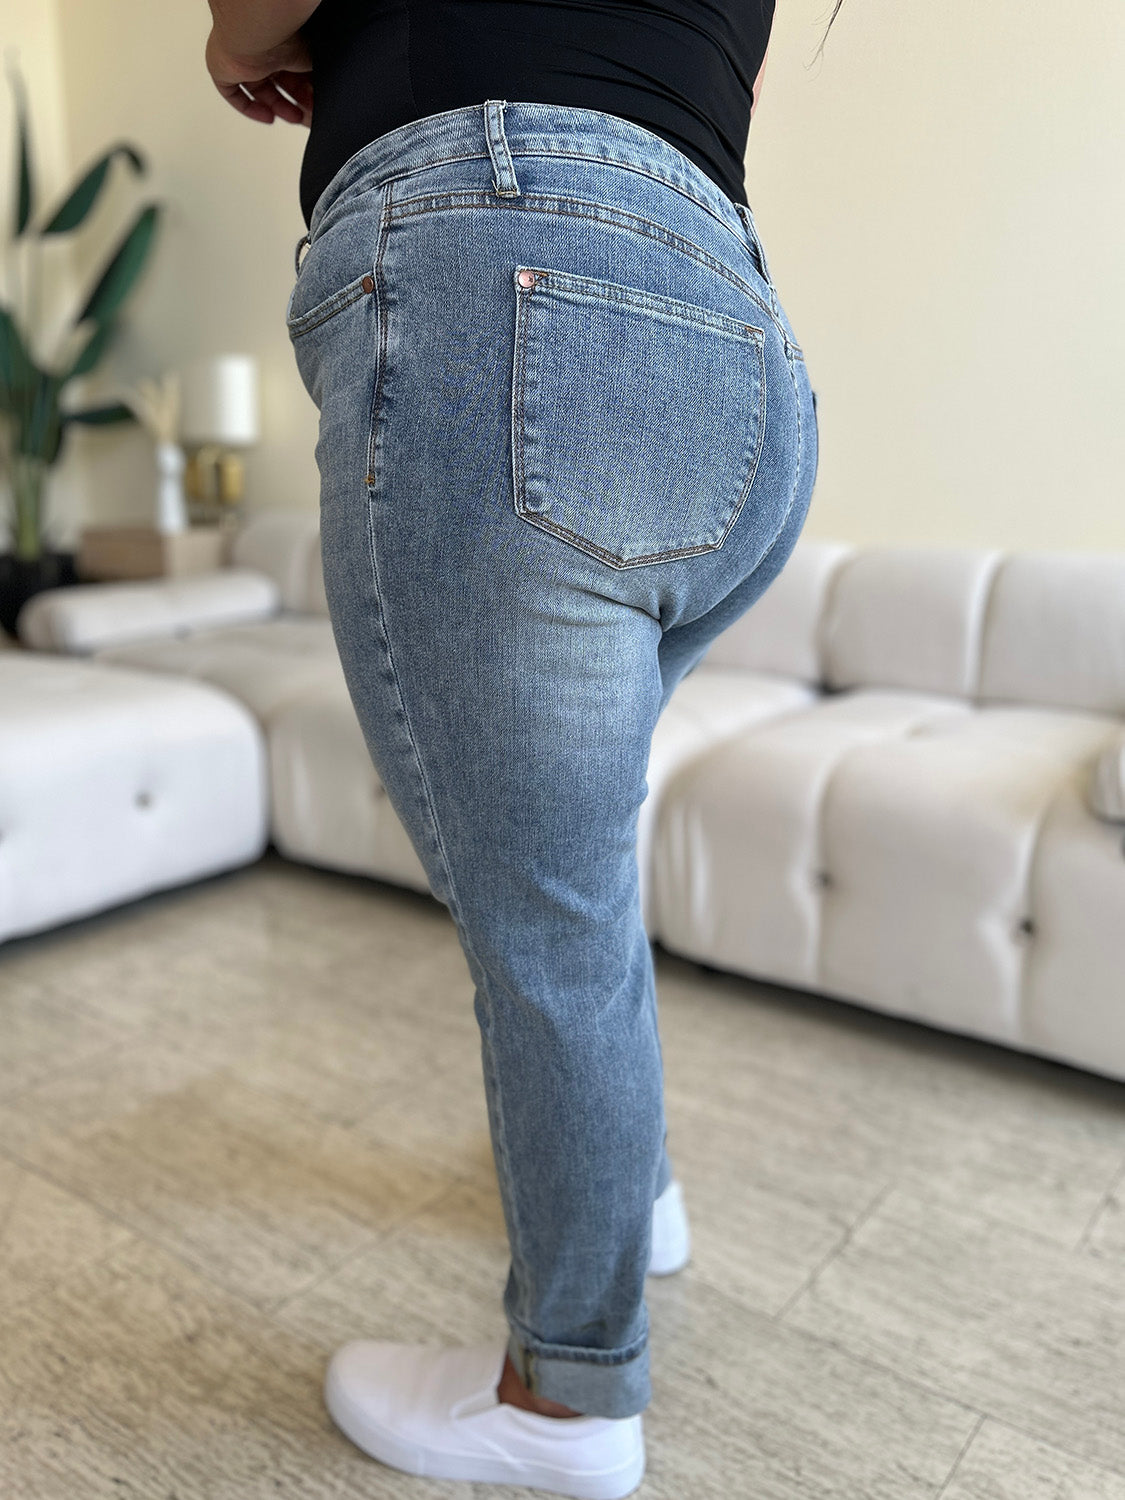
<point>388,1448</point>
<point>659,1270</point>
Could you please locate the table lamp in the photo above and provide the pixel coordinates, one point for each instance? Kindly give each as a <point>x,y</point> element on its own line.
<point>220,417</point>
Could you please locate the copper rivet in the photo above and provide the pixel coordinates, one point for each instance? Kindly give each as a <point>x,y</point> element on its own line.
<point>368,283</point>
<point>526,278</point>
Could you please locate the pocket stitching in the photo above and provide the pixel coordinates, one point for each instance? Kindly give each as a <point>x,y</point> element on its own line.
<point>590,289</point>
<point>327,309</point>
<point>523,304</point>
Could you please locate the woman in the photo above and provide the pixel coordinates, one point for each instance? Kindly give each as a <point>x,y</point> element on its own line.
<point>566,437</point>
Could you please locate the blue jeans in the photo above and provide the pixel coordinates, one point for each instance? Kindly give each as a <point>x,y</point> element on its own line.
<point>566,437</point>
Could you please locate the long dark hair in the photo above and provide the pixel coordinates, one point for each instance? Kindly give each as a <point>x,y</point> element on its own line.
<point>828,28</point>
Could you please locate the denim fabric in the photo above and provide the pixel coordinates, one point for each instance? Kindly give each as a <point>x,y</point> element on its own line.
<point>566,436</point>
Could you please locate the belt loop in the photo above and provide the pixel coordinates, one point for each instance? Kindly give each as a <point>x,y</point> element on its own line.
<point>301,244</point>
<point>504,173</point>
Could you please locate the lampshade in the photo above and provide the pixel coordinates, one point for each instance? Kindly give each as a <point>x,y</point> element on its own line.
<point>220,401</point>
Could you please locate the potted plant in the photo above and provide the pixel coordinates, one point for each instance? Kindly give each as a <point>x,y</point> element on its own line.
<point>34,382</point>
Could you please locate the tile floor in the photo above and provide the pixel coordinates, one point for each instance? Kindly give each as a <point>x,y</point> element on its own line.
<point>244,1121</point>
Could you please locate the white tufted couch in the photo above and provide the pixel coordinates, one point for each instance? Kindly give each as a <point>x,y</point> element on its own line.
<point>116,783</point>
<point>900,779</point>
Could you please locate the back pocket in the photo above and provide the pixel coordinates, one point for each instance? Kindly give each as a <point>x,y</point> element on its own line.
<point>637,419</point>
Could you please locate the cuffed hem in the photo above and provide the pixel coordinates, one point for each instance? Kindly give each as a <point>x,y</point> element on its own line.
<point>593,1381</point>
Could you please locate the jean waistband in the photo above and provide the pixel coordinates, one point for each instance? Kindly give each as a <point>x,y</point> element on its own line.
<point>505,131</point>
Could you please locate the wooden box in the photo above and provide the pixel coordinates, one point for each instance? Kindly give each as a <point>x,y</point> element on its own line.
<point>118,552</point>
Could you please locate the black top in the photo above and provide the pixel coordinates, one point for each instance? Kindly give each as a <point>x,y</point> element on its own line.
<point>685,69</point>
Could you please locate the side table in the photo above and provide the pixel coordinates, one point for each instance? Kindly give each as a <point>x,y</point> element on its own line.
<point>123,552</point>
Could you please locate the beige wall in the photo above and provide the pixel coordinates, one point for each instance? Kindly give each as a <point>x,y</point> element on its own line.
<point>223,268</point>
<point>941,201</point>
<point>29,38</point>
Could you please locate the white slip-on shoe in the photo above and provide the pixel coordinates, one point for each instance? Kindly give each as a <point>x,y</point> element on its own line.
<point>435,1412</point>
<point>671,1236</point>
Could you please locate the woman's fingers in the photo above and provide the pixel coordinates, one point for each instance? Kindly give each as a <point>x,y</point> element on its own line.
<point>299,88</point>
<point>267,95</point>
<point>245,103</point>
<point>264,101</point>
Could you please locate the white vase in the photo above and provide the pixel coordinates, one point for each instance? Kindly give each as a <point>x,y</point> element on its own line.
<point>171,507</point>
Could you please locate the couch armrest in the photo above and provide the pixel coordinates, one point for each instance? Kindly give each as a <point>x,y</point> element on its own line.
<point>1107,781</point>
<point>88,616</point>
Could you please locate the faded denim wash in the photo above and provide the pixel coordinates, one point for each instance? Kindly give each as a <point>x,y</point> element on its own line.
<point>566,437</point>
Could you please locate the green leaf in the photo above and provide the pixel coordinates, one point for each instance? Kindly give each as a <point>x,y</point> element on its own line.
<point>38,421</point>
<point>100,416</point>
<point>82,197</point>
<point>53,445</point>
<point>101,336</point>
<point>122,269</point>
<point>53,437</point>
<point>17,368</point>
<point>25,193</point>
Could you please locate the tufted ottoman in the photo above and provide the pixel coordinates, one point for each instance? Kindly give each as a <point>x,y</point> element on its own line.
<point>115,783</point>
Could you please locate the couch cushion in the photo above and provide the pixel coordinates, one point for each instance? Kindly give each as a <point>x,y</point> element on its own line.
<point>1055,632</point>
<point>879,847</point>
<point>930,844</point>
<point>286,545</point>
<point>117,783</point>
<point>264,665</point>
<point>780,633</point>
<point>316,601</point>
<point>908,618</point>
<point>329,806</point>
<point>1106,786</point>
<point>738,864</point>
<point>1074,1006</point>
<point>84,618</point>
<point>708,705</point>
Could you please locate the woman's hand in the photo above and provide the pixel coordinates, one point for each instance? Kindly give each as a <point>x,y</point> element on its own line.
<point>253,82</point>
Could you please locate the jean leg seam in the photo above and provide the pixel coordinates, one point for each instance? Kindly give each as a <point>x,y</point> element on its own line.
<point>439,845</point>
<point>797,471</point>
